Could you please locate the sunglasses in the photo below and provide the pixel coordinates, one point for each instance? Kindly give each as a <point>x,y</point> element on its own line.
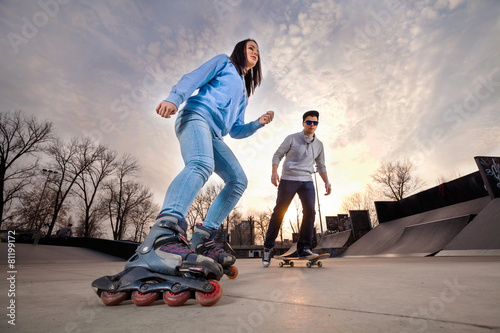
<point>309,122</point>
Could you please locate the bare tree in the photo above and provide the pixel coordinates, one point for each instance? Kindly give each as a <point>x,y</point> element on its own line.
<point>89,183</point>
<point>362,200</point>
<point>451,176</point>
<point>91,227</point>
<point>35,208</point>
<point>32,207</point>
<point>232,220</point>
<point>121,204</point>
<point>144,214</point>
<point>20,136</point>
<point>199,208</point>
<point>70,160</point>
<point>397,179</point>
<point>240,230</point>
<point>201,204</point>
<point>124,195</point>
<point>261,224</point>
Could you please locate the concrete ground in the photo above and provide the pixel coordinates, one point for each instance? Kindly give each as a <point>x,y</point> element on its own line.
<point>431,294</point>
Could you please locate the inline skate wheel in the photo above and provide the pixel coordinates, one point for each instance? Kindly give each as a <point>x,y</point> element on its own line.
<point>235,272</point>
<point>111,299</point>
<point>212,297</point>
<point>141,299</point>
<point>178,299</point>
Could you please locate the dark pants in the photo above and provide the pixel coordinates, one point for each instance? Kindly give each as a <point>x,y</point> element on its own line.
<point>286,191</point>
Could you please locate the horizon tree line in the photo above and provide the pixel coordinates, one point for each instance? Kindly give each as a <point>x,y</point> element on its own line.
<point>47,182</point>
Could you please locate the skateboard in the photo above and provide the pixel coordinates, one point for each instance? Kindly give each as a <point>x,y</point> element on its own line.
<point>310,262</point>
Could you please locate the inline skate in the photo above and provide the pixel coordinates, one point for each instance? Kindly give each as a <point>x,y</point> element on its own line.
<point>164,264</point>
<point>203,243</point>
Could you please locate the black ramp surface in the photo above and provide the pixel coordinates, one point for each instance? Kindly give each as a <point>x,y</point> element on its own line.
<point>427,238</point>
<point>480,237</point>
<point>386,234</point>
<point>334,241</point>
<point>45,254</point>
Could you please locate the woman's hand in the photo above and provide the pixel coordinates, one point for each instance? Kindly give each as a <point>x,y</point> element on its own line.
<point>266,118</point>
<point>166,109</point>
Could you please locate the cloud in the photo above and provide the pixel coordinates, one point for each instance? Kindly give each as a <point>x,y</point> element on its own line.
<point>385,75</point>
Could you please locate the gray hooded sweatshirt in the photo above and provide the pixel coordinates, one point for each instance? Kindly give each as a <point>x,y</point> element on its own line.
<point>301,152</point>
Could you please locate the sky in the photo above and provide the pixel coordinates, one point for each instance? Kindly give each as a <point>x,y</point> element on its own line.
<point>392,80</point>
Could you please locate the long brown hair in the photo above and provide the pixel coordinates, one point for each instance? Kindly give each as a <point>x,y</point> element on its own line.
<point>239,57</point>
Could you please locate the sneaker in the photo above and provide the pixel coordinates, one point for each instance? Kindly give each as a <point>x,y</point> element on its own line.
<point>307,254</point>
<point>266,257</point>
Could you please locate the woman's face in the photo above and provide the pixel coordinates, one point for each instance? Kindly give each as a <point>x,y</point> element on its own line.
<point>252,52</point>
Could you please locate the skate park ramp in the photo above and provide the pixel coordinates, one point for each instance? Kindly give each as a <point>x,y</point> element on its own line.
<point>480,237</point>
<point>427,238</point>
<point>120,249</point>
<point>334,241</point>
<point>290,251</point>
<point>380,240</point>
<point>46,254</point>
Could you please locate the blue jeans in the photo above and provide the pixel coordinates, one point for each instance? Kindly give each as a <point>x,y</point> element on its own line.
<point>286,191</point>
<point>203,154</point>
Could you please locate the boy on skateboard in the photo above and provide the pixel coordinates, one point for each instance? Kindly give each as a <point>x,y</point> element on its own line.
<point>302,150</point>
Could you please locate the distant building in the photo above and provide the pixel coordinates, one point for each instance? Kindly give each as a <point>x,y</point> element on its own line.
<point>358,221</point>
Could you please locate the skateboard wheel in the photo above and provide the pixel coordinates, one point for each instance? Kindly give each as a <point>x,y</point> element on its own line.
<point>308,265</point>
<point>291,264</point>
<point>320,264</point>
<point>280,264</point>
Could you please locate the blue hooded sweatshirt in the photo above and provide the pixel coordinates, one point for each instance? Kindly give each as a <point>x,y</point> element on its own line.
<point>221,99</point>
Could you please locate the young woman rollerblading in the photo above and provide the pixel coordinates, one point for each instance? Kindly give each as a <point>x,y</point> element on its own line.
<point>164,262</point>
